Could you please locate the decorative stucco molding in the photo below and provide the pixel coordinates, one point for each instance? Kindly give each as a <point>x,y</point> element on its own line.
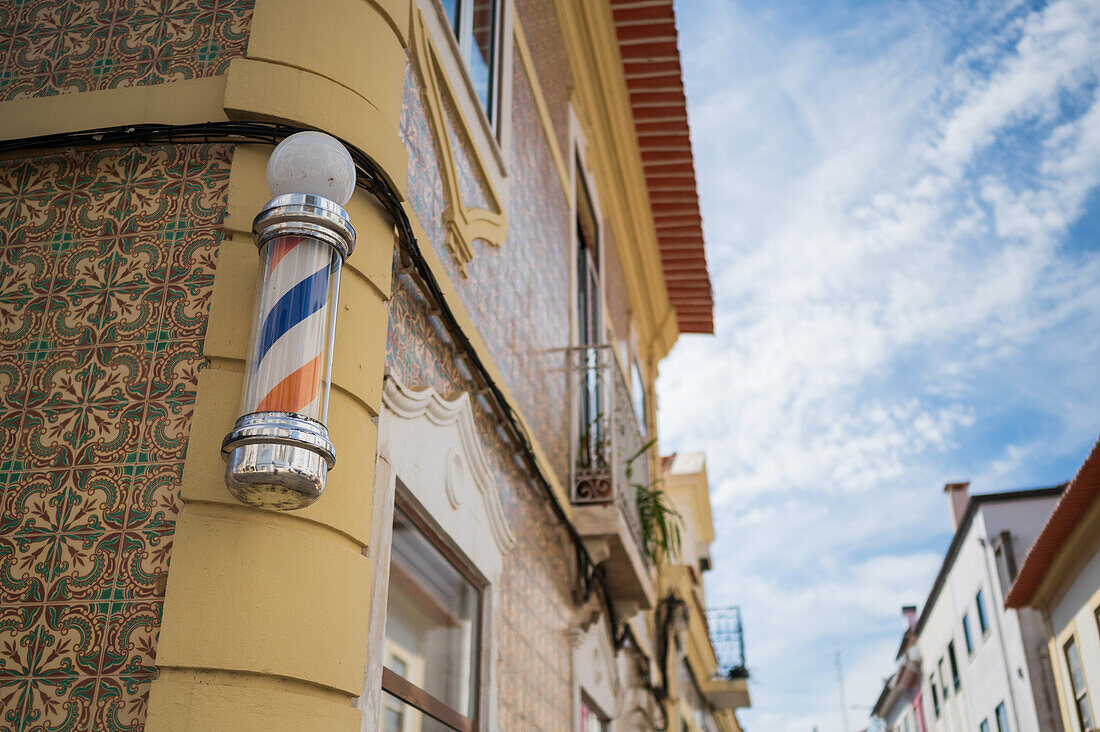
<point>466,470</point>
<point>464,224</point>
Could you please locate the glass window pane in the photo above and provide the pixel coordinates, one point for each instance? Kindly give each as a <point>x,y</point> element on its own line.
<point>409,717</point>
<point>432,636</point>
<point>966,634</point>
<point>982,622</point>
<point>1002,718</point>
<point>480,56</point>
<point>451,9</point>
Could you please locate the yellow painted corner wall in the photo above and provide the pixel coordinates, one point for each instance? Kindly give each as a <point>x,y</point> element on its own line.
<point>266,613</point>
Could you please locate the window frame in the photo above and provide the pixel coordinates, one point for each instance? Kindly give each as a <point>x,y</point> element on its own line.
<point>1001,713</point>
<point>983,621</point>
<point>1083,693</point>
<point>943,684</point>
<point>935,694</point>
<point>406,691</point>
<point>462,37</point>
<point>954,664</point>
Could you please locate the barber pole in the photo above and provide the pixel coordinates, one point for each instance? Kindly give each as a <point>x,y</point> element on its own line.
<point>279,454</point>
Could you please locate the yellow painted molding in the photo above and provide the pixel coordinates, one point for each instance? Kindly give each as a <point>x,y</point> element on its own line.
<point>477,343</point>
<point>349,42</point>
<point>179,102</point>
<point>344,512</point>
<point>602,104</point>
<point>245,595</point>
<point>523,50</point>
<point>464,225</point>
<point>186,700</point>
<point>266,91</point>
<point>374,232</point>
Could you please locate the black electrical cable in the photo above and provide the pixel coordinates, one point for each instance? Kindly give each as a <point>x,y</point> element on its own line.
<point>369,177</point>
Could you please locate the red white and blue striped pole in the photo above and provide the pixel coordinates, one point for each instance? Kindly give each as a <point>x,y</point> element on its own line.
<point>278,454</point>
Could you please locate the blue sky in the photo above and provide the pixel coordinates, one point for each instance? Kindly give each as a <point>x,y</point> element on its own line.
<point>902,215</point>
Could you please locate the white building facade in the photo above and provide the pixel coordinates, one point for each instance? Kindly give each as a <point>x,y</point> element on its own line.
<point>984,668</point>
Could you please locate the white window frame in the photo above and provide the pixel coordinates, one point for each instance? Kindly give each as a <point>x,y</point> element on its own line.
<point>452,488</point>
<point>490,135</point>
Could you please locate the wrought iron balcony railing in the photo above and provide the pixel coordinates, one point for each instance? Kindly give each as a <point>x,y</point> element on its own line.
<point>728,638</point>
<point>609,457</point>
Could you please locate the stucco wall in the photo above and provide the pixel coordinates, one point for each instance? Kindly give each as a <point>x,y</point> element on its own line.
<point>986,675</point>
<point>1075,612</point>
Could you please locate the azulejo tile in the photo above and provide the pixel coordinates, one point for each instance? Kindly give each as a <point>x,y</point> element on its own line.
<point>121,703</point>
<point>101,323</point>
<point>60,703</point>
<point>154,501</point>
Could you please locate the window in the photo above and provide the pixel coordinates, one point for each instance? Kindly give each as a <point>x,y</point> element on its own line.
<point>943,684</point>
<point>954,665</point>
<point>983,624</point>
<point>966,635</point>
<point>638,396</point>
<point>474,23</point>
<point>1002,718</point>
<point>433,635</point>
<point>1077,682</point>
<point>589,326</point>
<point>984,726</point>
<point>935,695</point>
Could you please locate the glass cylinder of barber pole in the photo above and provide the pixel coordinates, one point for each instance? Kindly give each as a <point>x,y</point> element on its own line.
<point>279,453</point>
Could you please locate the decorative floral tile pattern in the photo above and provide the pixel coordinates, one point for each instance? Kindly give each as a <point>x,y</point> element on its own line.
<point>471,182</point>
<point>50,47</point>
<point>518,296</point>
<point>106,267</point>
<point>544,37</point>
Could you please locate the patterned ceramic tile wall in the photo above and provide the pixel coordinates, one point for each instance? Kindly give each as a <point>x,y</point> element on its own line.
<point>106,267</point>
<point>471,181</point>
<point>533,601</point>
<point>543,33</point>
<point>518,294</point>
<point>50,47</point>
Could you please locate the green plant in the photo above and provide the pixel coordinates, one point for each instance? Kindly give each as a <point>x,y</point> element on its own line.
<point>594,444</point>
<point>660,521</point>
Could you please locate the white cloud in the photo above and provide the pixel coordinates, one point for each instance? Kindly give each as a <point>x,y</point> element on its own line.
<point>886,220</point>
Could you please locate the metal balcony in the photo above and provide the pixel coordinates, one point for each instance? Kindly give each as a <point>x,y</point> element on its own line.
<point>728,688</point>
<point>609,463</point>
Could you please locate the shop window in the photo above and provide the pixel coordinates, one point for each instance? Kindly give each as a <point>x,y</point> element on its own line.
<point>1002,718</point>
<point>1077,683</point>
<point>475,24</point>
<point>983,624</point>
<point>433,633</point>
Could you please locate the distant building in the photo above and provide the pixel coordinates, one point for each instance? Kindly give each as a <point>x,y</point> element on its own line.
<point>899,707</point>
<point>1060,578</point>
<point>983,667</point>
<point>701,654</point>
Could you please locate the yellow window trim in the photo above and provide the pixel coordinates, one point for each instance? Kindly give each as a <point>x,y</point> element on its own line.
<point>463,224</point>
